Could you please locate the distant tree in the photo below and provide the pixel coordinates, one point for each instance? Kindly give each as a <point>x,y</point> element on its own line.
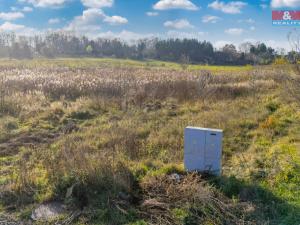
<point>20,49</point>
<point>141,47</point>
<point>173,49</point>
<point>184,62</point>
<point>280,52</point>
<point>89,49</point>
<point>245,47</point>
<point>293,81</point>
<point>293,57</point>
<point>230,53</point>
<point>262,54</point>
<point>294,40</point>
<point>47,52</point>
<point>66,44</point>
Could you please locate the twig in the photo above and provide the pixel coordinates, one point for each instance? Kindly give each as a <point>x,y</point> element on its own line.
<point>74,215</point>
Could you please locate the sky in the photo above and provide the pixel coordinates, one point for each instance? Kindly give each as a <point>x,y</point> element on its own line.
<point>218,21</point>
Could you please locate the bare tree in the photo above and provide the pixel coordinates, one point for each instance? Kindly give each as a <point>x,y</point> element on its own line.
<point>184,61</point>
<point>2,93</point>
<point>293,80</point>
<point>294,40</point>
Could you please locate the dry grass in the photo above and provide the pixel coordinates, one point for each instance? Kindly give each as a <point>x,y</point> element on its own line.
<point>93,127</point>
<point>164,194</point>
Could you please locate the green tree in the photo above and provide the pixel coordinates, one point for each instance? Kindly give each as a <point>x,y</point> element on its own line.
<point>89,49</point>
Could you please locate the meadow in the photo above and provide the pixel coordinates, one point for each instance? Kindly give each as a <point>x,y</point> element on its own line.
<point>105,137</point>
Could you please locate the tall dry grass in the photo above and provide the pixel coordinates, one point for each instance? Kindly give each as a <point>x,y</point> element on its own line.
<point>103,120</point>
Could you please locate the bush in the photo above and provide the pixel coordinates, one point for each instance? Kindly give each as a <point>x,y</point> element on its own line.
<point>81,115</point>
<point>272,106</point>
<point>280,61</point>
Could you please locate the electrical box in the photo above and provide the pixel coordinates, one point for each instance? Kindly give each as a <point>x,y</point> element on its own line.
<point>203,150</point>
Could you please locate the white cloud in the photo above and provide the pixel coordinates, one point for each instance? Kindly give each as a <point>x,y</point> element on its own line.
<point>263,6</point>
<point>175,4</point>
<point>252,28</point>
<point>234,31</point>
<point>178,24</point>
<point>54,21</point>
<point>97,3</point>
<point>89,22</point>
<point>221,43</point>
<point>131,37</point>
<point>271,43</point>
<point>11,15</point>
<point>152,13</point>
<point>250,21</point>
<point>230,7</point>
<point>210,19</point>
<point>17,29</point>
<point>86,23</point>
<point>185,35</point>
<point>278,44</point>
<point>249,40</point>
<point>115,20</point>
<point>125,35</point>
<point>285,3</point>
<point>7,26</point>
<point>45,3</point>
<point>27,9</point>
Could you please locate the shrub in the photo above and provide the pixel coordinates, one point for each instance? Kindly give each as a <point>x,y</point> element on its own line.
<point>81,115</point>
<point>272,106</point>
<point>281,61</point>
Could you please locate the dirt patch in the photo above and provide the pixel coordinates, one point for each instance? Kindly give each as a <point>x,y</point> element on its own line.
<point>11,147</point>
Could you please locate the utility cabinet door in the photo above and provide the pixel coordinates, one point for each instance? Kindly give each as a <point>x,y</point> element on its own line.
<point>194,145</point>
<point>213,151</point>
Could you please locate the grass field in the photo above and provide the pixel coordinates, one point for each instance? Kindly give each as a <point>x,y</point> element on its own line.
<point>104,136</point>
<point>101,62</point>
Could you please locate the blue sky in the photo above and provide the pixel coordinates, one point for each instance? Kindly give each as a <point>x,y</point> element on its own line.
<point>217,21</point>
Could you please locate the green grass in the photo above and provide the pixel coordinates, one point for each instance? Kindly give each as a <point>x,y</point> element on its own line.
<point>104,62</point>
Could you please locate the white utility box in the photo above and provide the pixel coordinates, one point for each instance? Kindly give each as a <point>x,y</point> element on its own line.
<point>203,150</point>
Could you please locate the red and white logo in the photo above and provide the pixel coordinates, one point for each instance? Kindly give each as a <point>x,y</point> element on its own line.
<point>285,15</point>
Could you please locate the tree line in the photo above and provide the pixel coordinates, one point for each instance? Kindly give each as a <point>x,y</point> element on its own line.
<point>61,44</point>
